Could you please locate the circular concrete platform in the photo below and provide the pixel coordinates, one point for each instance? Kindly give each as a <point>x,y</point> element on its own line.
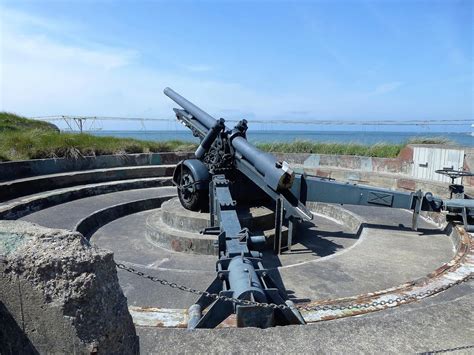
<point>349,253</point>
<point>175,228</point>
<point>344,252</point>
<point>354,254</point>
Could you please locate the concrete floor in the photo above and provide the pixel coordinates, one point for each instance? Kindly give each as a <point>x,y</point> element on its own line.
<point>441,323</point>
<point>67,215</point>
<point>328,261</point>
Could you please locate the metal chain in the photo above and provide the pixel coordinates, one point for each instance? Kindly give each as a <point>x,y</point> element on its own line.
<point>216,296</point>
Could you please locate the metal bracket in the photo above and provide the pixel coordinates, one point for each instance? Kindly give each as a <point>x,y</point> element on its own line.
<point>416,211</point>
<point>278,225</point>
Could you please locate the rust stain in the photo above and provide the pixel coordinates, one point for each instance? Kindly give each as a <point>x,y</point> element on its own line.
<point>460,266</point>
<point>457,268</point>
<point>146,309</point>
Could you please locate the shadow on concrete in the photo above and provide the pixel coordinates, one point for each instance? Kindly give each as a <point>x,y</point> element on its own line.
<point>403,228</point>
<point>13,339</point>
<point>309,241</point>
<point>314,241</point>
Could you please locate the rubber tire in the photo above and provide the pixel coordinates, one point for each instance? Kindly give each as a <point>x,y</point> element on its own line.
<point>198,198</point>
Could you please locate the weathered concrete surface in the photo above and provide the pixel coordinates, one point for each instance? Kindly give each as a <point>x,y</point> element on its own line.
<point>21,169</point>
<point>443,322</point>
<point>28,186</point>
<point>59,294</point>
<point>88,225</point>
<point>396,173</point>
<point>400,165</point>
<point>177,217</point>
<point>404,255</point>
<point>126,237</point>
<point>67,215</point>
<point>175,228</point>
<point>21,207</point>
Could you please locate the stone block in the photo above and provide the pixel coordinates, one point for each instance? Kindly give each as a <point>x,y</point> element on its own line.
<point>59,294</point>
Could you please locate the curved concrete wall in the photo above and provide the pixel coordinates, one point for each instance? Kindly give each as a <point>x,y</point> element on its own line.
<point>396,173</point>
<point>387,172</point>
<point>29,186</point>
<point>26,168</point>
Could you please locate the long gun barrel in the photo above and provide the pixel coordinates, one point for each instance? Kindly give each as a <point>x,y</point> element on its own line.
<point>275,174</point>
<point>206,120</point>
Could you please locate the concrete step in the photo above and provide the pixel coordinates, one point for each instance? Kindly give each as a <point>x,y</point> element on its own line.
<point>176,216</point>
<point>174,228</point>
<point>67,215</point>
<point>12,170</point>
<point>23,206</point>
<point>28,186</point>
<point>89,224</point>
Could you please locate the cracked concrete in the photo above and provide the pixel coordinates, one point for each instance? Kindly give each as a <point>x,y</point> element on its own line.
<point>62,292</point>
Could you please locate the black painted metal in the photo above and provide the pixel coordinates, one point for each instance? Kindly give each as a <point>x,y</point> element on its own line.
<point>240,272</point>
<point>265,166</point>
<point>226,153</point>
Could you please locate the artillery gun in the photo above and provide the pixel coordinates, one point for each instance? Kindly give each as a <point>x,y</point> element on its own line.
<point>229,170</point>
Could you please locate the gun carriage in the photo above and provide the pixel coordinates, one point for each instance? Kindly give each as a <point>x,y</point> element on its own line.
<point>227,171</point>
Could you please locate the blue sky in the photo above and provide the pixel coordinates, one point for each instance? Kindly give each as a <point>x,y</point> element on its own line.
<point>354,60</point>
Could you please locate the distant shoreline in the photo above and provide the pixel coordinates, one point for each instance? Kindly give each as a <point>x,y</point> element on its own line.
<point>278,136</point>
<point>23,139</point>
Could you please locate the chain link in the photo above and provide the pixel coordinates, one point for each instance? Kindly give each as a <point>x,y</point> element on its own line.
<point>215,296</point>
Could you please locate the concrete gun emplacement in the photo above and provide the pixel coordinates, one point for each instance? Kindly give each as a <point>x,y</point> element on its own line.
<point>227,171</point>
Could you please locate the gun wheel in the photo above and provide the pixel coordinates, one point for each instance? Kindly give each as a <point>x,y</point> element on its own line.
<point>189,196</point>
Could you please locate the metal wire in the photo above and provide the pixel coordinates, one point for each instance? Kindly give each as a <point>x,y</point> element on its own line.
<point>332,122</point>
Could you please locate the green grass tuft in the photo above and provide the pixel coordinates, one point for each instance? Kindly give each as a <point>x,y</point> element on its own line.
<point>13,122</point>
<point>429,140</point>
<point>381,150</point>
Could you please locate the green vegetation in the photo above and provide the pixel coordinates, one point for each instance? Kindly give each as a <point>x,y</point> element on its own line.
<point>381,150</point>
<point>13,122</point>
<point>22,138</point>
<point>429,140</point>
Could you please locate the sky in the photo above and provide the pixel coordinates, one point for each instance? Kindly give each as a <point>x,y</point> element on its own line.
<point>302,60</point>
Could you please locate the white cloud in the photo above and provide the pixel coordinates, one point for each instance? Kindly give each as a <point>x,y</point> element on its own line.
<point>42,75</point>
<point>44,50</point>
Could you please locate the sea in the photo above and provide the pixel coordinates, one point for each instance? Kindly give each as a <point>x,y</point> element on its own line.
<point>361,137</point>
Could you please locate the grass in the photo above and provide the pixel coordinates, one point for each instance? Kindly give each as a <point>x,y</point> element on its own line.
<point>380,150</point>
<point>12,122</point>
<point>429,140</point>
<point>38,144</point>
<point>22,138</point>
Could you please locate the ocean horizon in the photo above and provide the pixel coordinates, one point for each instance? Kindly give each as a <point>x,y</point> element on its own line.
<point>359,137</point>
